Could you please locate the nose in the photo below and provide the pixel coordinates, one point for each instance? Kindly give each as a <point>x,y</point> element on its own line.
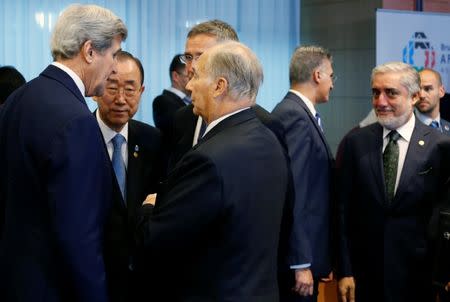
<point>422,93</point>
<point>120,96</point>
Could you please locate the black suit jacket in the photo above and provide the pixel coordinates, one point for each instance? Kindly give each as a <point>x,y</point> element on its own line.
<point>56,184</point>
<point>214,233</point>
<point>184,125</point>
<point>385,246</point>
<point>164,107</point>
<point>143,175</point>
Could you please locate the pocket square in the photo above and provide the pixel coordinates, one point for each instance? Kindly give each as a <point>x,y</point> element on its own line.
<point>425,172</point>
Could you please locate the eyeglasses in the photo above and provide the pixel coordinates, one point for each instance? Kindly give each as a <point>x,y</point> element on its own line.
<point>126,91</point>
<point>332,76</point>
<point>187,58</point>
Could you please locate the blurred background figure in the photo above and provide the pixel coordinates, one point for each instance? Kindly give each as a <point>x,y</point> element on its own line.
<point>10,80</point>
<point>173,98</point>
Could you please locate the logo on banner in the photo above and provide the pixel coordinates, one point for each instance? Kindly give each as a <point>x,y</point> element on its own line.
<point>419,52</point>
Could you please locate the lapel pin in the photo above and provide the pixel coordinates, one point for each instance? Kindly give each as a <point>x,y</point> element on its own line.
<point>421,142</point>
<point>136,150</point>
<point>446,128</point>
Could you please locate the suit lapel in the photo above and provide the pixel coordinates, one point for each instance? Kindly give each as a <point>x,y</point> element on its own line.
<point>313,120</point>
<point>414,155</point>
<point>376,159</point>
<point>134,165</point>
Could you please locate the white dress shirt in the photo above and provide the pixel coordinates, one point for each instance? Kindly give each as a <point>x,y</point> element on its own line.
<point>405,132</point>
<point>108,135</point>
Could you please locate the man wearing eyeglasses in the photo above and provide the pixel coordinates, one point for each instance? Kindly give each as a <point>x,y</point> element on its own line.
<point>173,98</point>
<point>188,126</point>
<point>305,240</point>
<point>135,150</point>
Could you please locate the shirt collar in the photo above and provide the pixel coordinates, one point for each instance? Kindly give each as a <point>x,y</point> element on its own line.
<point>217,121</point>
<point>108,133</point>
<point>73,75</point>
<point>405,130</point>
<point>307,101</point>
<point>179,93</point>
<point>426,119</point>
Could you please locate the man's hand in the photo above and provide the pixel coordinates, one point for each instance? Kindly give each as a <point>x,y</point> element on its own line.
<point>304,282</point>
<point>328,278</point>
<point>151,198</point>
<point>346,288</point>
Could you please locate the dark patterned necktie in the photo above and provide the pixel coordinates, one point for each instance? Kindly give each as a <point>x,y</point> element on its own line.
<point>390,164</point>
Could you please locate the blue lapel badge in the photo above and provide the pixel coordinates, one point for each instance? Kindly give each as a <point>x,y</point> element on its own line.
<point>136,150</point>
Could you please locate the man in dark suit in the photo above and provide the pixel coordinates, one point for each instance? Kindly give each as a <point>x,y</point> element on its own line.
<point>214,234</point>
<point>431,92</point>
<point>172,98</point>
<point>141,154</point>
<point>305,246</point>
<point>188,127</point>
<point>392,176</point>
<point>56,177</point>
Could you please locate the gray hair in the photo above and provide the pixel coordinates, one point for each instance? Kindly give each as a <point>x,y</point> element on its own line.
<point>221,30</point>
<point>410,77</point>
<point>239,66</point>
<point>80,23</point>
<point>304,61</point>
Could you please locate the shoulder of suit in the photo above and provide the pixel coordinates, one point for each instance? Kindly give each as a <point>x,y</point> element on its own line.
<point>142,127</point>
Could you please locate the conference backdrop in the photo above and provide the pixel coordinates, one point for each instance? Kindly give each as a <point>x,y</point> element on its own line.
<point>417,38</point>
<point>157,31</point>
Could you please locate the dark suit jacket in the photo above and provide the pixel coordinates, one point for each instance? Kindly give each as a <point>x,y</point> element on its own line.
<point>385,247</point>
<point>216,228</point>
<point>445,126</point>
<point>56,183</point>
<point>143,175</point>
<point>164,107</point>
<point>306,231</point>
<point>185,122</point>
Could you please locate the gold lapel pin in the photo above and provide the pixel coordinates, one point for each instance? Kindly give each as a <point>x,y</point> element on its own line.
<point>421,142</point>
<point>446,128</point>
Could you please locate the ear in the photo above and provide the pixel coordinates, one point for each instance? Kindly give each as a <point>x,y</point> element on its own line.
<point>316,76</point>
<point>441,91</point>
<point>87,51</point>
<point>141,90</point>
<point>95,98</point>
<point>220,87</point>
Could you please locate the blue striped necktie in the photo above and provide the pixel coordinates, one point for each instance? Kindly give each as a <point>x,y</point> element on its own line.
<point>118,163</point>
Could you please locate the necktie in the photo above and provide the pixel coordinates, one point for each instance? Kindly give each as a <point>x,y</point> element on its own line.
<point>390,164</point>
<point>319,120</point>
<point>118,162</point>
<point>434,124</point>
<point>187,100</point>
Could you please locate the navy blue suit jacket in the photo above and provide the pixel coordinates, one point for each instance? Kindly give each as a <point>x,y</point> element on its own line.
<point>55,186</point>
<point>385,246</point>
<point>306,227</point>
<point>215,231</point>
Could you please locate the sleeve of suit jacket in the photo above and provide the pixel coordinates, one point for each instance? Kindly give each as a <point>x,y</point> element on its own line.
<point>78,193</point>
<point>192,202</point>
<point>299,144</point>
